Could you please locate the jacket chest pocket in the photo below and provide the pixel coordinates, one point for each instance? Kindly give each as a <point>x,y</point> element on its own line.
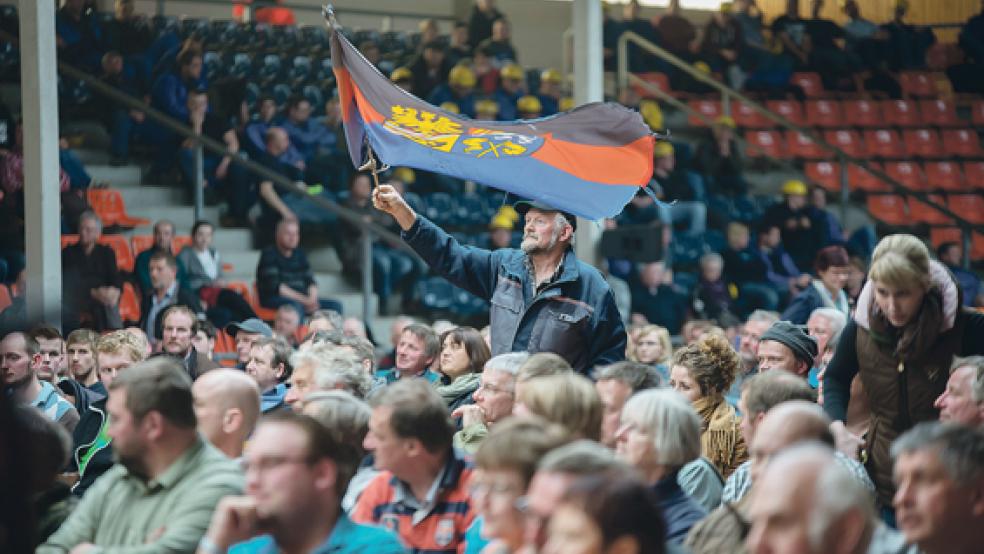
<point>504,313</point>
<point>562,328</point>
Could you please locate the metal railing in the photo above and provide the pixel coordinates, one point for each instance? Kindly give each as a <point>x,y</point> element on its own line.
<point>370,231</point>
<point>386,17</point>
<point>728,93</point>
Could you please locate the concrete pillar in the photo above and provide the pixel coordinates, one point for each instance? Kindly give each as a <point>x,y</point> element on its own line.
<point>589,86</point>
<point>39,84</point>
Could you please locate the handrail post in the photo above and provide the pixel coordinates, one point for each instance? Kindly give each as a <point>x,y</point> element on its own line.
<point>622,59</point>
<point>366,275</point>
<point>845,187</point>
<point>160,7</point>
<point>965,234</point>
<point>726,103</point>
<point>199,181</point>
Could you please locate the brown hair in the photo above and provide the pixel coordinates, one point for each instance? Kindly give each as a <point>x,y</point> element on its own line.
<point>711,362</point>
<point>418,413</point>
<point>569,400</point>
<point>542,364</point>
<point>158,385</point>
<point>475,348</point>
<point>621,506</point>
<point>831,256</point>
<point>518,444</point>
<point>767,390</point>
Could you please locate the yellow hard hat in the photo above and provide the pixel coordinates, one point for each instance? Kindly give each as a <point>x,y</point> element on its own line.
<point>401,74</point>
<point>501,221</point>
<point>486,106</point>
<point>512,71</point>
<point>529,104</point>
<point>551,75</point>
<point>663,149</point>
<point>726,7</point>
<point>509,212</point>
<point>405,174</point>
<point>726,121</point>
<point>566,104</point>
<point>450,107</point>
<point>652,114</point>
<point>462,76</point>
<point>702,67</point>
<point>794,187</point>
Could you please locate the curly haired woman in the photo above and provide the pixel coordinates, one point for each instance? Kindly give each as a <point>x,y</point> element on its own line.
<point>702,372</point>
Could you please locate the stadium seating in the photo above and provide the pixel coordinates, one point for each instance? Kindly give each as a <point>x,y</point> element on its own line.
<point>974,174</point>
<point>918,83</point>
<point>939,113</point>
<point>710,109</point>
<point>810,83</point>
<point>658,80</point>
<point>901,113</point>
<point>922,212</point>
<point>765,143</point>
<point>129,303</point>
<point>109,206</point>
<point>939,235</point>
<point>119,244</point>
<point>6,299</point>
<point>963,143</point>
<point>977,113</point>
<point>746,116</point>
<point>861,179</point>
<point>944,175</point>
<point>883,143</point>
<point>863,113</point>
<point>264,313</point>
<point>922,143</point>
<point>967,206</point>
<point>888,208</point>
<point>847,140</point>
<point>907,173</point>
<point>825,174</point>
<point>790,109</point>
<point>802,146</point>
<point>824,113</point>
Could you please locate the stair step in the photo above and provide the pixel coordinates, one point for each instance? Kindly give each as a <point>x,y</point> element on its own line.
<point>183,217</point>
<point>333,283</point>
<point>229,240</point>
<point>324,259</point>
<point>243,262</point>
<point>136,197</point>
<point>115,176</point>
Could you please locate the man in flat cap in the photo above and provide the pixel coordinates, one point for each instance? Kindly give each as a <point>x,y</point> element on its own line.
<point>543,298</point>
<point>787,347</point>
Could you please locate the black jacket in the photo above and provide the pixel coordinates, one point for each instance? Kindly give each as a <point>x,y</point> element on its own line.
<point>182,297</point>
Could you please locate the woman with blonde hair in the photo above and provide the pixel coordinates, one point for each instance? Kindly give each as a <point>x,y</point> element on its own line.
<point>703,372</point>
<point>567,399</point>
<point>908,326</point>
<point>652,346</point>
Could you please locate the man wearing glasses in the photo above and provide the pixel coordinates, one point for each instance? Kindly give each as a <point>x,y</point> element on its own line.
<point>494,400</point>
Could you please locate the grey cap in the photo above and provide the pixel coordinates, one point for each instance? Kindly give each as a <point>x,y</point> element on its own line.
<point>804,346</point>
<point>524,206</point>
<point>251,325</point>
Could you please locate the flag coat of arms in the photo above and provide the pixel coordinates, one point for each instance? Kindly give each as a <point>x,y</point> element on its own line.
<point>589,161</point>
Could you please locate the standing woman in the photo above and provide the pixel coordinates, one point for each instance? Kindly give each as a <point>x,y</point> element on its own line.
<point>702,372</point>
<point>463,355</point>
<point>833,267</point>
<point>907,328</point>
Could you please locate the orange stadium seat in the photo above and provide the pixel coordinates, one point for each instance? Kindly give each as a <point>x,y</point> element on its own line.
<point>907,173</point>
<point>963,143</point>
<point>977,113</point>
<point>765,143</point>
<point>119,244</point>
<point>224,351</point>
<point>922,212</point>
<point>883,143</point>
<point>746,116</point>
<point>266,314</point>
<point>940,113</point>
<point>863,113</point>
<point>888,208</point>
<point>802,146</point>
<point>944,175</point>
<point>129,303</point>
<point>847,140</point>
<point>790,109</point>
<point>824,113</point>
<point>922,143</point>
<point>862,179</point>
<point>243,288</point>
<point>825,174</point>
<point>139,243</point>
<point>659,80</point>
<point>810,83</point>
<point>67,240</point>
<point>939,235</point>
<point>968,206</point>
<point>179,242</point>
<point>918,83</point>
<point>711,109</point>
<point>6,298</point>
<point>900,113</point>
<point>974,174</point>
<point>109,206</point>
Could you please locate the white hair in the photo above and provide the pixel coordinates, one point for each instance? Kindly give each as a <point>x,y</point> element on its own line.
<point>333,368</point>
<point>672,422</point>
<point>836,318</point>
<point>509,362</point>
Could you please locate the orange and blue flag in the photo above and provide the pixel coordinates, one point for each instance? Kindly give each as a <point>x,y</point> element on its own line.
<point>589,161</point>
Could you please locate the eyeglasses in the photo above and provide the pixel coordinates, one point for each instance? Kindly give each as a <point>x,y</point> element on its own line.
<point>264,464</point>
<point>481,488</point>
<point>492,389</point>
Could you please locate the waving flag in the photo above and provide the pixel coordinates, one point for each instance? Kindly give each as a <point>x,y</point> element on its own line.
<point>589,161</point>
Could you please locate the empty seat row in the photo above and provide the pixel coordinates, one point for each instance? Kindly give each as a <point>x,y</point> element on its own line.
<point>928,176</point>
<point>904,211</point>
<point>844,113</point>
<point>872,143</point>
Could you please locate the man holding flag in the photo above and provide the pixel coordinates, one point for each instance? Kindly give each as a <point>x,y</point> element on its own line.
<point>543,298</point>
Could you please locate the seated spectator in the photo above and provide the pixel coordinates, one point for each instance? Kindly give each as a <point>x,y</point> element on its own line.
<point>825,325</point>
<point>608,511</point>
<point>486,71</point>
<point>429,69</point>
<point>660,433</point>
<point>639,59</point>
<point>858,31</point>
<point>721,160</point>
<point>153,429</point>
<point>720,44</point>
<point>316,140</point>
<point>283,275</point>
<point>325,367</point>
<point>758,322</point>
<point>205,277</point>
<point>528,107</point>
<point>78,35</point>
<point>507,460</point>
<point>462,358</point>
<point>227,405</point>
<point>786,347</point>
<point>164,291</point>
<point>326,320</point>
<point>751,269</point>
<point>163,241</point>
<point>51,348</point>
<point>269,365</point>
<point>178,326</point>
<point>551,90</point>
<point>951,254</point>
<point>826,52</point>
<point>652,347</point>
<point>907,44</point>
<point>416,350</point>
<point>285,203</point>
<point>656,301</point>
<point>459,47</point>
<point>929,459</point>
<point>204,339</point>
<point>833,234</point>
<point>91,282</point>
<point>393,270</point>
<point>459,90</point>
<point>20,362</point>
<point>499,44</point>
<point>128,32</point>
<point>245,334</point>
<point>676,33</point>
<point>256,131</point>
<point>303,502</point>
<point>541,364</point>
<point>966,77</point>
<point>802,236</point>
<point>218,171</point>
<point>170,96</point>
<point>125,125</point>
<point>712,297</point>
<point>702,372</point>
<point>423,485</point>
<point>80,352</point>
<point>615,383</point>
<point>483,16</point>
<point>48,452</point>
<point>827,291</point>
<point>287,323</point>
<point>512,87</point>
<point>569,400</point>
<point>790,33</point>
<point>963,400</point>
<point>555,474</point>
<point>494,399</point>
<point>681,190</point>
<point>824,509</point>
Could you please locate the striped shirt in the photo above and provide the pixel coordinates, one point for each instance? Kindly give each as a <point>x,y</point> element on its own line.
<point>56,408</point>
<point>740,481</point>
<point>435,525</point>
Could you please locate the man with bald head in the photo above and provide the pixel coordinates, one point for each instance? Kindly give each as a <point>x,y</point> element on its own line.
<point>804,503</point>
<point>227,405</point>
